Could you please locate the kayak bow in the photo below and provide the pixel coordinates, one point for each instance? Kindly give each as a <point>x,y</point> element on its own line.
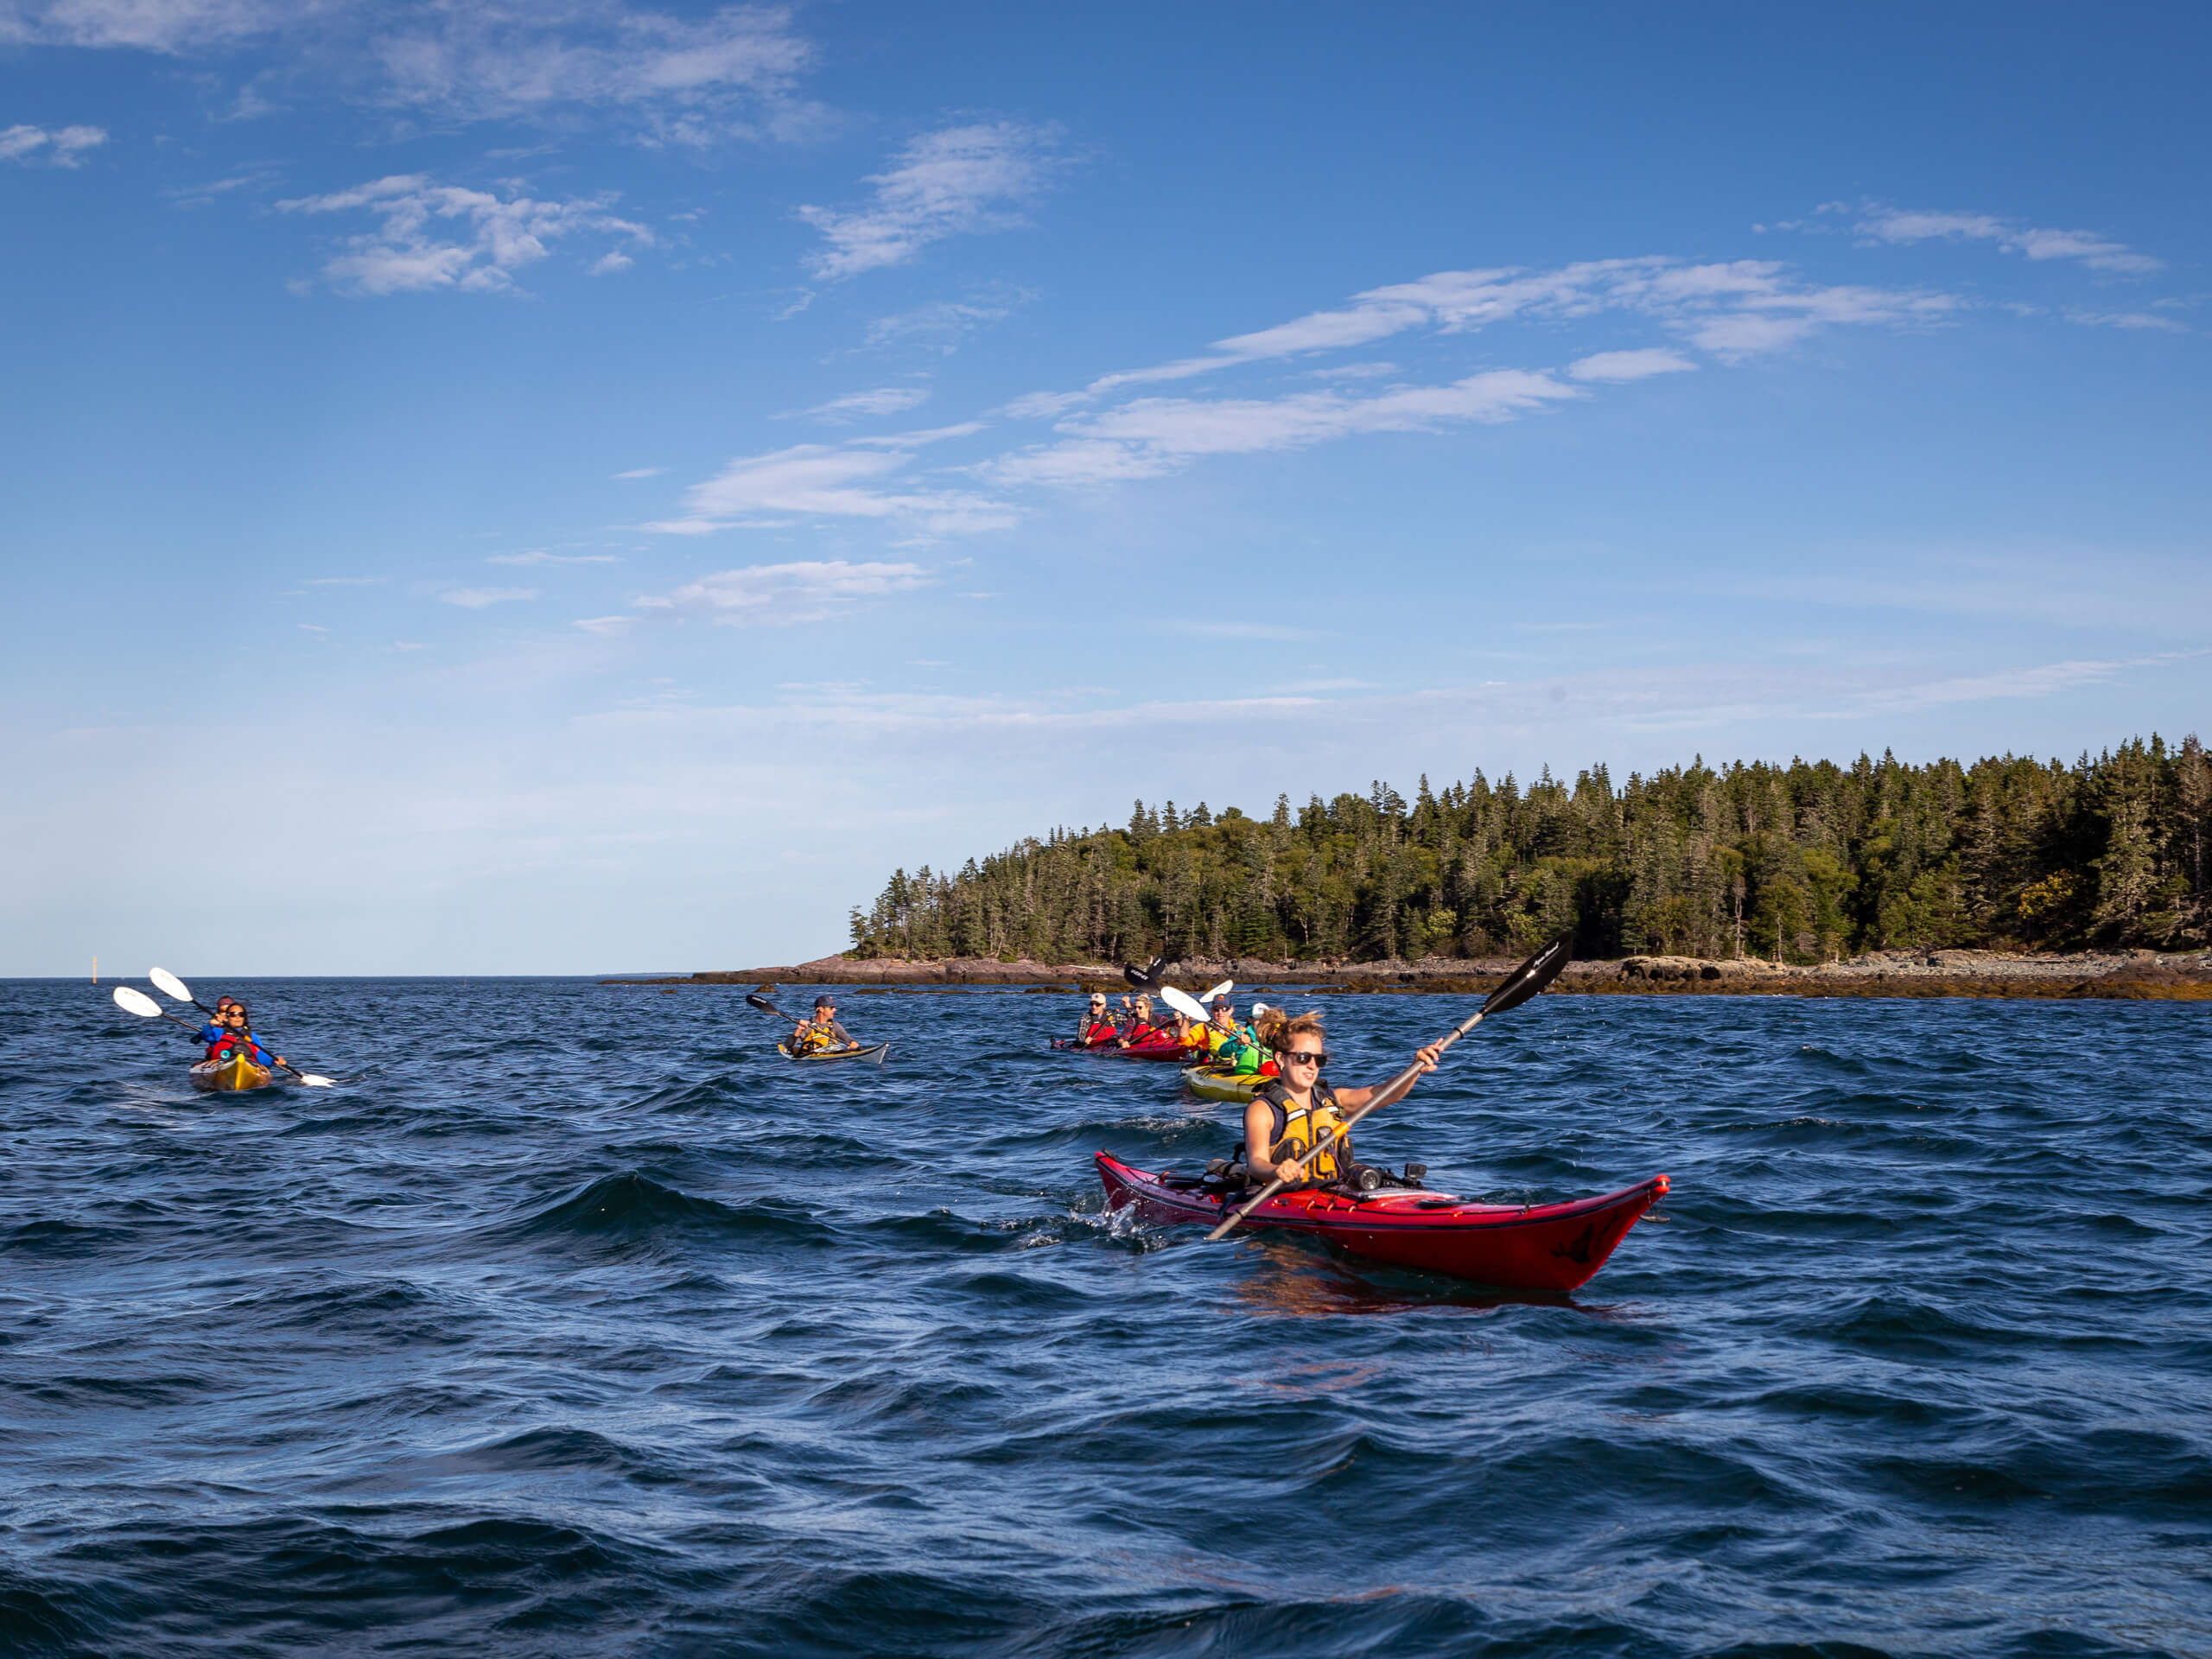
<point>1555,1247</point>
<point>234,1074</point>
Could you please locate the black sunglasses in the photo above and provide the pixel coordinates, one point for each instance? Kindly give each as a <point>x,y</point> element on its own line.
<point>1306,1058</point>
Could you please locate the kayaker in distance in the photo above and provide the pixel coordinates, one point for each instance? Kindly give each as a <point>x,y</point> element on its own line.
<point>1292,1113</point>
<point>231,1016</point>
<point>822,1031</point>
<point>1098,1027</point>
<point>1236,1048</point>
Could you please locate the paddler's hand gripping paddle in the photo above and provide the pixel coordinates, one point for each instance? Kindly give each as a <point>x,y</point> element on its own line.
<point>1523,983</point>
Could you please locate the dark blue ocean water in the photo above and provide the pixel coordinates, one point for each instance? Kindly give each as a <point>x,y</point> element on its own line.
<point>583,1324</point>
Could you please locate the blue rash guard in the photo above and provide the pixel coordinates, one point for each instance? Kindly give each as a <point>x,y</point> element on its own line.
<point>210,1034</point>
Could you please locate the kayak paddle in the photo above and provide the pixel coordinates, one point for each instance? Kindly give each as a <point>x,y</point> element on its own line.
<point>766,1006</point>
<point>1523,983</point>
<point>177,991</point>
<point>1218,991</point>
<point>1147,978</point>
<point>1183,1003</point>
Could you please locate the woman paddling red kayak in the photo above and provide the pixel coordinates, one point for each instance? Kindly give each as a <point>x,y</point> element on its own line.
<point>1297,1140</point>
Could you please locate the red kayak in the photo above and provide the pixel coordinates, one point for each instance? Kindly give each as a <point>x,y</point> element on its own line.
<point>1516,1247</point>
<point>1170,1050</point>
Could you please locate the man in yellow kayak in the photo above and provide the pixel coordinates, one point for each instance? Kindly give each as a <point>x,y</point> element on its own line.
<point>1235,1049</point>
<point>822,1031</point>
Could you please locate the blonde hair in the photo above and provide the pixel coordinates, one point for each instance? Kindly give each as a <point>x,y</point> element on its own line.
<point>1143,1006</point>
<point>1284,1037</point>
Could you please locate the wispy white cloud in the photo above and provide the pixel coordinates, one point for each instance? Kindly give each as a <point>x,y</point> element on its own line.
<point>876,404</point>
<point>2129,320</point>
<point>1629,366</point>
<point>731,71</point>
<point>539,556</point>
<point>854,481</point>
<point>49,146</point>
<point>1158,435</point>
<point>941,326</point>
<point>1734,308</point>
<point>492,237</point>
<point>2098,252</point>
<point>643,472</point>
<point>958,182</point>
<point>781,594</point>
<point>344,581</point>
<point>477,599</point>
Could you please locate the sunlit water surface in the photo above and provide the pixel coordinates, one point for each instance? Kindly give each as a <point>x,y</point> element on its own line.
<point>579,1322</point>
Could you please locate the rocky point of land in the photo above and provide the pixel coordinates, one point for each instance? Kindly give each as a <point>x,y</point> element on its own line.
<point>2126,974</point>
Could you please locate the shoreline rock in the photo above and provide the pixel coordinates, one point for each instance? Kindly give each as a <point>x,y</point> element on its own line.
<point>2126,975</point>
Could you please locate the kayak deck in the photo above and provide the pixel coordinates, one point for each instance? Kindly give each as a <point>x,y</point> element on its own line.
<point>1555,1247</point>
<point>233,1076</point>
<point>1210,1083</point>
<point>858,1052</point>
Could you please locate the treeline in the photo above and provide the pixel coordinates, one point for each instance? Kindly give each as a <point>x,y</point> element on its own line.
<point>1804,862</point>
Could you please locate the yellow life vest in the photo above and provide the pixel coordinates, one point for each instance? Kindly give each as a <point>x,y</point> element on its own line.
<point>1300,1128</point>
<point>816,1039</point>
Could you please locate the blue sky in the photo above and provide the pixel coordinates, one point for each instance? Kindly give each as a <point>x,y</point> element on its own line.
<point>582,486</point>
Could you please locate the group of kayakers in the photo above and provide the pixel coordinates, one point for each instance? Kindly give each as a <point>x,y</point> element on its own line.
<point>1221,1040</point>
<point>1293,1129</point>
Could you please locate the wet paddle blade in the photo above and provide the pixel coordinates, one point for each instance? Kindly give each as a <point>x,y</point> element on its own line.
<point>314,1081</point>
<point>1531,976</point>
<point>1183,1003</point>
<point>137,1002</point>
<point>766,1006</point>
<point>1219,991</point>
<point>1147,978</point>
<point>169,985</point>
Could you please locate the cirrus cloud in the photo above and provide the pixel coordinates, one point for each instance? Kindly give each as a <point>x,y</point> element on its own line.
<point>805,591</point>
<point>444,235</point>
<point>962,181</point>
<point>51,147</point>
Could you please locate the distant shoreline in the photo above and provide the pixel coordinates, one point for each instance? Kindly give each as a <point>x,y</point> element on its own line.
<point>2129,975</point>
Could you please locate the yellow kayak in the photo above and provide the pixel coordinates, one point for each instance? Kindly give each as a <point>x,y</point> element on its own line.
<point>1211,1083</point>
<point>234,1074</point>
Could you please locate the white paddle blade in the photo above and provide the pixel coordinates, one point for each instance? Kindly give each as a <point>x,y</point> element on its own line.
<point>1219,991</point>
<point>1183,1002</point>
<point>137,1002</point>
<point>169,985</point>
<point>314,1081</point>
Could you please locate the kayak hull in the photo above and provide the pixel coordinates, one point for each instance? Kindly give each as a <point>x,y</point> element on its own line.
<point>858,1052</point>
<point>235,1075</point>
<point>1174,1052</point>
<point>1207,1083</point>
<point>1550,1247</point>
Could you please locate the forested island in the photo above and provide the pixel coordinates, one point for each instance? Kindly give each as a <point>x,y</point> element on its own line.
<point>1799,864</point>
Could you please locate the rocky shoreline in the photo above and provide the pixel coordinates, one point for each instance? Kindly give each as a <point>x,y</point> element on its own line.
<point>2127,976</point>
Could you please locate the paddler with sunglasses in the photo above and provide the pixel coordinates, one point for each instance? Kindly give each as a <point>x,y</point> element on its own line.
<point>1292,1113</point>
<point>230,1029</point>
